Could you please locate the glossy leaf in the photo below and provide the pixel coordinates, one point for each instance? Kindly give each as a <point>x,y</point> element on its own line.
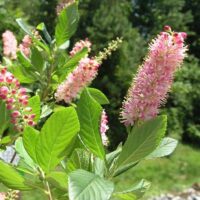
<point>11,178</point>
<point>56,134</point>
<point>142,141</point>
<point>89,113</point>
<point>30,137</point>
<point>84,185</point>
<point>166,147</point>
<point>99,96</point>
<point>67,24</point>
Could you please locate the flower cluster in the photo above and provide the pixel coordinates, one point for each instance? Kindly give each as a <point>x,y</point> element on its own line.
<point>83,74</point>
<point>25,45</point>
<point>16,100</point>
<point>9,45</point>
<point>104,127</point>
<point>153,81</point>
<point>80,45</point>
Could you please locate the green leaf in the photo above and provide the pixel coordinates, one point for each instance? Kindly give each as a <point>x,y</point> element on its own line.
<point>98,96</point>
<point>71,64</point>
<point>142,141</point>
<point>11,178</point>
<point>42,27</point>
<point>80,159</point>
<point>58,179</point>
<point>89,112</point>
<point>30,137</point>
<point>67,24</point>
<point>56,134</point>
<point>4,117</point>
<point>22,152</point>
<point>23,74</point>
<point>24,26</point>
<point>34,103</point>
<point>166,147</point>
<point>84,185</point>
<point>24,61</point>
<point>135,192</point>
<point>37,59</point>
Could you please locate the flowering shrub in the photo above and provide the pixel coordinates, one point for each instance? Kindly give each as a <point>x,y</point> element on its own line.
<point>56,122</point>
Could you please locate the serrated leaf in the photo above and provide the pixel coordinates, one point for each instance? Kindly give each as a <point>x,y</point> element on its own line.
<point>142,141</point>
<point>34,103</point>
<point>99,96</point>
<point>56,134</point>
<point>166,147</point>
<point>67,24</point>
<point>89,113</point>
<point>30,137</point>
<point>84,185</point>
<point>11,178</point>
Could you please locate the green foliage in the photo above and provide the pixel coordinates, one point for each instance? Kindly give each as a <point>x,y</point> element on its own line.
<point>142,140</point>
<point>55,137</point>
<point>67,24</point>
<point>90,123</point>
<point>85,185</point>
<point>11,178</point>
<point>4,117</point>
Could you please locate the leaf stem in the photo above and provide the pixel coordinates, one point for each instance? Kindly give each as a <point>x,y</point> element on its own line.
<point>46,184</point>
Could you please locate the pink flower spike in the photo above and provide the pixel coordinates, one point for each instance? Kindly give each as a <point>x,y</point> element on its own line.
<point>9,45</point>
<point>154,78</point>
<point>80,45</point>
<point>82,76</point>
<point>24,47</point>
<point>104,127</point>
<point>15,114</point>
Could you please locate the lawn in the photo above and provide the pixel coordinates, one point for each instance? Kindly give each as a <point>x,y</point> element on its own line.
<point>175,173</point>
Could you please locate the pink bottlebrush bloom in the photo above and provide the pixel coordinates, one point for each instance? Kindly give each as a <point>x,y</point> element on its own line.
<point>154,78</point>
<point>16,100</point>
<point>83,74</point>
<point>9,45</point>
<point>25,45</point>
<point>104,127</point>
<point>80,45</point>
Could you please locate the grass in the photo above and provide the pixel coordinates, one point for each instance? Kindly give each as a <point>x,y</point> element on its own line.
<point>171,174</point>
